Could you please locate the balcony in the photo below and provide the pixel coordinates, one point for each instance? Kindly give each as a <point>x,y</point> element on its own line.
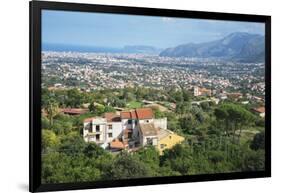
<point>92,138</point>
<point>93,133</point>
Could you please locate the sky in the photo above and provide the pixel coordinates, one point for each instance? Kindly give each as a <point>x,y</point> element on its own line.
<point>118,30</point>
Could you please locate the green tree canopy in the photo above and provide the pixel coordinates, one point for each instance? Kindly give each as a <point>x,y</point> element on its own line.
<point>233,118</point>
<point>127,166</point>
<point>49,140</point>
<point>258,141</point>
<point>72,144</point>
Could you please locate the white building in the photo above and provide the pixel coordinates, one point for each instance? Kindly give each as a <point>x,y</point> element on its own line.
<point>196,91</point>
<point>127,129</point>
<point>102,130</point>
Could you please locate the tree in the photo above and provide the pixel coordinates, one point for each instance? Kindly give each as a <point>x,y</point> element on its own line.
<point>73,98</point>
<point>258,141</point>
<point>183,108</point>
<point>72,144</point>
<point>233,118</point>
<point>109,109</point>
<point>150,156</point>
<point>179,159</point>
<point>216,156</point>
<point>157,113</point>
<point>126,166</point>
<point>188,123</point>
<point>205,106</point>
<point>129,96</point>
<point>260,122</point>
<point>141,93</point>
<point>197,112</point>
<point>62,168</point>
<point>49,140</point>
<point>175,95</point>
<point>252,160</point>
<point>45,123</point>
<point>61,127</point>
<point>93,151</point>
<point>96,109</point>
<point>120,103</point>
<point>52,109</point>
<point>186,95</point>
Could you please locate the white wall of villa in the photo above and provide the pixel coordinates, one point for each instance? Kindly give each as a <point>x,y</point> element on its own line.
<point>161,123</point>
<point>102,132</point>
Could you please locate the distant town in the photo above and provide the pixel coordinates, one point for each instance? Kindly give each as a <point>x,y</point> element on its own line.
<point>97,71</point>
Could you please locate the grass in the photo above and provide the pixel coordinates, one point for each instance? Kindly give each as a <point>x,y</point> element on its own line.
<point>134,104</point>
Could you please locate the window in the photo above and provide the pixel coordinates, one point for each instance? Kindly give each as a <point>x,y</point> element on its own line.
<point>170,137</point>
<point>149,141</point>
<point>97,137</point>
<point>97,128</point>
<point>130,135</point>
<point>110,127</point>
<point>90,129</point>
<point>130,121</point>
<point>109,134</point>
<point>147,121</point>
<point>162,146</point>
<point>136,121</point>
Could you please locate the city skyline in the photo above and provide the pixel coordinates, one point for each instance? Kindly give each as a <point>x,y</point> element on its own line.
<point>116,30</point>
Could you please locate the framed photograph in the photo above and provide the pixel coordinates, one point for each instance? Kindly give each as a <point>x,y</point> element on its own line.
<point>126,96</point>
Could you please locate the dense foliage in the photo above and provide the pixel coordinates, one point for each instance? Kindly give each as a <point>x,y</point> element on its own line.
<point>218,138</point>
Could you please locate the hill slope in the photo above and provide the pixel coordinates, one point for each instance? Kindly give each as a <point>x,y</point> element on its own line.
<point>237,46</point>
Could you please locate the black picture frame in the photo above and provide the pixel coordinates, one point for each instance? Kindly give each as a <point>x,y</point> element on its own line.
<point>35,94</point>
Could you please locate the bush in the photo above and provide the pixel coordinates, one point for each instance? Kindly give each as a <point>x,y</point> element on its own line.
<point>258,141</point>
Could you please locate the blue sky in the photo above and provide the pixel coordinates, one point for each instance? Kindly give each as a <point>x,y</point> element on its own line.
<point>116,30</point>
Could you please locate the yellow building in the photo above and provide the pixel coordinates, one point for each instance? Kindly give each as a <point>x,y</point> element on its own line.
<point>167,139</point>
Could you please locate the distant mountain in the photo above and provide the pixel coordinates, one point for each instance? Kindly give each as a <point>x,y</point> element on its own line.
<point>76,48</point>
<point>239,46</point>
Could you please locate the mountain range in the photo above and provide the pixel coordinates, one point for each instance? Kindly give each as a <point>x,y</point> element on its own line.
<point>239,46</point>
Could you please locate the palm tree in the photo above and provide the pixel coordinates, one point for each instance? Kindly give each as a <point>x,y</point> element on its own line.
<point>52,109</point>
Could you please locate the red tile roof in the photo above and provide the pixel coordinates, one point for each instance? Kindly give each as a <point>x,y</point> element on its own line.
<point>87,120</point>
<point>259,110</point>
<point>74,111</point>
<point>144,113</point>
<point>112,117</point>
<point>133,115</point>
<point>126,115</point>
<point>117,144</point>
<point>235,95</point>
<point>141,113</point>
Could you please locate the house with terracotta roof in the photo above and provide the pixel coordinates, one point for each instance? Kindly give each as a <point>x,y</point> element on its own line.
<point>201,91</point>
<point>260,111</point>
<point>128,129</point>
<point>74,111</point>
